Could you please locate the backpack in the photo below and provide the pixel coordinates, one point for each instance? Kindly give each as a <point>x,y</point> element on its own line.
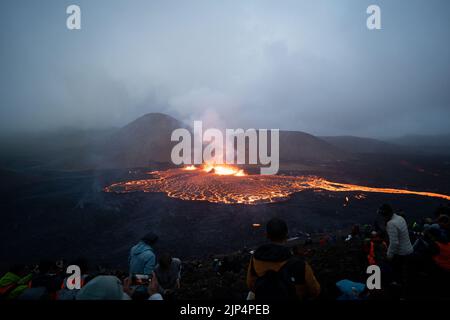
<point>280,285</point>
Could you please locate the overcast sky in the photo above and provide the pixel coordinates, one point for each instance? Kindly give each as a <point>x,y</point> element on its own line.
<point>297,65</point>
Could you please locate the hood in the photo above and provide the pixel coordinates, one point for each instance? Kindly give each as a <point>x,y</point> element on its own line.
<point>140,247</point>
<point>102,288</point>
<point>273,252</point>
<point>350,290</point>
<point>9,278</point>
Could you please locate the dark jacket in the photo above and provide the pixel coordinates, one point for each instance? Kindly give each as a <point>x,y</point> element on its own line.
<point>274,256</point>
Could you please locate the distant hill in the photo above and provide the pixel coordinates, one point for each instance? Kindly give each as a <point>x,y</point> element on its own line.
<point>64,148</point>
<point>434,144</point>
<point>142,142</point>
<point>299,146</point>
<point>364,145</point>
<point>145,140</point>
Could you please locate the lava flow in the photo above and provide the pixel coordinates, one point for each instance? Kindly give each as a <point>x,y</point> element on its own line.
<point>228,184</point>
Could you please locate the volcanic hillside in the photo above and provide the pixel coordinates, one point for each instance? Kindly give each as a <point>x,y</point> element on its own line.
<point>141,142</point>
<point>147,140</point>
<point>301,146</point>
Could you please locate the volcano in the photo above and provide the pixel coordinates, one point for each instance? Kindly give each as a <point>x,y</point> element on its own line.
<point>144,141</point>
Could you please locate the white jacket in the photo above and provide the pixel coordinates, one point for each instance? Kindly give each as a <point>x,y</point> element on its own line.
<point>399,242</point>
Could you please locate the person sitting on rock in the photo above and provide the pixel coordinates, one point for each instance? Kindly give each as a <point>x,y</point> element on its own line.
<point>168,272</point>
<point>142,259</point>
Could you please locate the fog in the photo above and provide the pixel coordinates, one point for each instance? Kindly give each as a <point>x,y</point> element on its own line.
<point>294,65</point>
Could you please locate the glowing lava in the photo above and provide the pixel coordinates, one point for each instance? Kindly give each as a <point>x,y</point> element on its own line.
<point>228,184</point>
<point>223,170</point>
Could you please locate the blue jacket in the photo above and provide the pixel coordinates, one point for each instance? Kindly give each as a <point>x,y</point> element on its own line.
<point>350,290</point>
<point>142,260</point>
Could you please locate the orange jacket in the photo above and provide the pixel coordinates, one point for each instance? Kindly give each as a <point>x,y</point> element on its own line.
<point>442,259</point>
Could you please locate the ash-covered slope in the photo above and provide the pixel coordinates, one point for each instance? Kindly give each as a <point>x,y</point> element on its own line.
<point>301,146</point>
<point>141,143</point>
<point>145,140</point>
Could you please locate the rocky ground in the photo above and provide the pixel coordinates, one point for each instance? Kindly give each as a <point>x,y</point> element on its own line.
<point>202,279</point>
<point>331,262</point>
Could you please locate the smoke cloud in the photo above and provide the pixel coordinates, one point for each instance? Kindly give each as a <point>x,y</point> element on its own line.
<point>296,65</point>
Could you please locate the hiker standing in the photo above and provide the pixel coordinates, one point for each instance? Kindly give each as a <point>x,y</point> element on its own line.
<point>400,248</point>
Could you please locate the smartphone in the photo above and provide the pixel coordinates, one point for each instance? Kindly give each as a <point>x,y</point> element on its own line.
<point>141,279</point>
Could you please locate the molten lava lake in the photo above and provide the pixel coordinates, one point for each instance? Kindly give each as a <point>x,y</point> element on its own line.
<point>225,184</point>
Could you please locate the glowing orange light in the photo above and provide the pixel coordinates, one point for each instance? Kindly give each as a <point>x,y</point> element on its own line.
<point>223,170</point>
<point>220,184</point>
